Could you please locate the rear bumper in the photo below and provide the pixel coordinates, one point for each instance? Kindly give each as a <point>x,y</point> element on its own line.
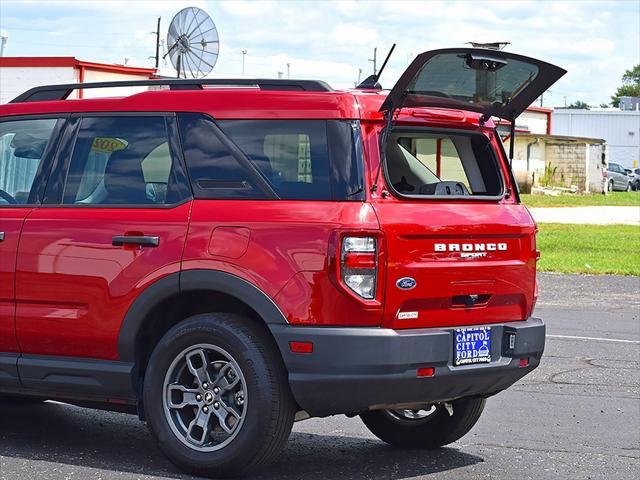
<point>355,369</point>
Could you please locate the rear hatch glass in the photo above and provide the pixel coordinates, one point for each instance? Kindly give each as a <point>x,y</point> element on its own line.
<point>494,83</point>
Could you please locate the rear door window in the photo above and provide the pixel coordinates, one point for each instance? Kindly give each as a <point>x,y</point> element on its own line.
<point>122,161</point>
<point>441,164</point>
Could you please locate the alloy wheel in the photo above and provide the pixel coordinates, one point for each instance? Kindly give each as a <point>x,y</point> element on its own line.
<point>205,397</point>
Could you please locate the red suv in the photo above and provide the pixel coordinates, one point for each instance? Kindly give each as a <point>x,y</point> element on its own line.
<point>224,257</point>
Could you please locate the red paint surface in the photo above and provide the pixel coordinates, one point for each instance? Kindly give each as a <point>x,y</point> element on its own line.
<point>74,288</point>
<point>11,220</point>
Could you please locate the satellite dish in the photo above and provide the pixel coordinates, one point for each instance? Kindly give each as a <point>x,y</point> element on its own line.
<point>193,43</point>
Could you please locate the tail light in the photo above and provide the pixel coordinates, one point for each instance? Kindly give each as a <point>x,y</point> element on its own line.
<point>359,265</point>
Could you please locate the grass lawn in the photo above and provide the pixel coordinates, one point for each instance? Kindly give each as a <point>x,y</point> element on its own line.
<point>631,199</point>
<point>596,249</point>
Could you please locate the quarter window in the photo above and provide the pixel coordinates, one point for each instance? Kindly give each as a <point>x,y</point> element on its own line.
<point>22,147</point>
<point>299,159</point>
<point>292,155</point>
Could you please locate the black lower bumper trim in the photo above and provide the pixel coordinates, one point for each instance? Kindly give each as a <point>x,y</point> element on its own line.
<point>355,369</point>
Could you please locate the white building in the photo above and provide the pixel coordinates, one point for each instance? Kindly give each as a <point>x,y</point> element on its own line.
<point>620,129</point>
<point>19,74</point>
<point>543,159</point>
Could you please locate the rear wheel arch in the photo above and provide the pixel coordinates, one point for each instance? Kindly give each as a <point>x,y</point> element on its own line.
<point>177,296</point>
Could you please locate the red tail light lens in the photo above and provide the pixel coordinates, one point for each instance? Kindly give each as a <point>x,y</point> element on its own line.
<point>359,265</point>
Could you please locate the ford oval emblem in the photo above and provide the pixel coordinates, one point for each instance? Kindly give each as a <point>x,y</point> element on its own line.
<point>406,283</point>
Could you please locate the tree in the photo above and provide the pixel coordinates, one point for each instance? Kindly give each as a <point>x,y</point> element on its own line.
<point>630,86</point>
<point>579,104</point>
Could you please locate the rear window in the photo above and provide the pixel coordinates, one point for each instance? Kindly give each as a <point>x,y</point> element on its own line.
<point>463,77</point>
<point>432,164</point>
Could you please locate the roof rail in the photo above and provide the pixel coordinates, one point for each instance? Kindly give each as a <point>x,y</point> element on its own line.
<point>61,92</point>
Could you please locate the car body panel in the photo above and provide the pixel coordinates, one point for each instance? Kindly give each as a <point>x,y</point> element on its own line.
<point>11,220</point>
<point>289,241</point>
<point>618,174</point>
<point>73,287</point>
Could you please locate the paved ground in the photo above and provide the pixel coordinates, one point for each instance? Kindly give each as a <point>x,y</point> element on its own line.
<point>577,416</point>
<point>588,215</point>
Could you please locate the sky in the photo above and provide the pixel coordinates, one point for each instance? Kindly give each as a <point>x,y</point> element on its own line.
<point>331,40</point>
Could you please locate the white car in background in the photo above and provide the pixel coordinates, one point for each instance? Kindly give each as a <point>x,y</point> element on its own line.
<point>634,176</point>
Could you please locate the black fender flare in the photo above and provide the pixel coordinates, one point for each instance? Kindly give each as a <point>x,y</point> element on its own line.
<point>185,281</point>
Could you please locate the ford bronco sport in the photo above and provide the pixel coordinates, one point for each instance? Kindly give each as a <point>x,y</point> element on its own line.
<point>223,257</point>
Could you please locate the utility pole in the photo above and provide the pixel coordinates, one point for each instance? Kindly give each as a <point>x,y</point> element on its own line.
<point>3,42</point>
<point>288,70</point>
<point>244,53</point>
<point>374,59</point>
<point>542,97</point>
<point>359,76</point>
<point>565,101</point>
<point>157,32</point>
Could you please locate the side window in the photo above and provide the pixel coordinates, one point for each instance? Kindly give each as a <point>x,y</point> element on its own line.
<point>299,159</point>
<point>121,161</point>
<point>293,155</point>
<point>214,171</point>
<point>22,147</point>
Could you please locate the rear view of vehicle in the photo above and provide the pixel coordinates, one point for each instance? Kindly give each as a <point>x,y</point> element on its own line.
<point>276,252</point>
<point>455,264</point>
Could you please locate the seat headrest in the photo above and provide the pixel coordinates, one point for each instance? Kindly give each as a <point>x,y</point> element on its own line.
<point>124,178</point>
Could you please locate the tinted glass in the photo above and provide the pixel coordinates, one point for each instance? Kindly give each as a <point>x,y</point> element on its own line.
<point>22,146</point>
<point>121,161</point>
<point>460,77</point>
<point>299,159</point>
<point>214,171</point>
<point>292,155</point>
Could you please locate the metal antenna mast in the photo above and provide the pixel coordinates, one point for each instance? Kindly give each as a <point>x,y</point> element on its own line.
<point>374,59</point>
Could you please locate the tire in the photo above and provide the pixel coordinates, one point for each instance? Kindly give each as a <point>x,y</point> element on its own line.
<point>247,386</point>
<point>610,186</point>
<point>433,430</point>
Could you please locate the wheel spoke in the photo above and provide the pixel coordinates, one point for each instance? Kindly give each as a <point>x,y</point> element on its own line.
<point>198,430</point>
<point>228,417</point>
<point>227,377</point>
<point>188,396</point>
<point>197,363</point>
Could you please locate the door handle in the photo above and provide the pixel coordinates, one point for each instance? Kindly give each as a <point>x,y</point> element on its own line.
<point>140,240</point>
<point>1,236</point>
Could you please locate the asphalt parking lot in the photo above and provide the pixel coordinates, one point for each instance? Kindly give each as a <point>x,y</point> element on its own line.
<point>577,416</point>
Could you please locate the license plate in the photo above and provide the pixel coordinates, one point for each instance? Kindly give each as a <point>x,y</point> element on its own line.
<point>471,345</point>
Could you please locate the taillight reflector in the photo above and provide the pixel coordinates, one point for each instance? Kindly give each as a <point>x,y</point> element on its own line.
<point>360,260</point>
<point>524,362</point>
<point>301,347</point>
<point>426,372</point>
